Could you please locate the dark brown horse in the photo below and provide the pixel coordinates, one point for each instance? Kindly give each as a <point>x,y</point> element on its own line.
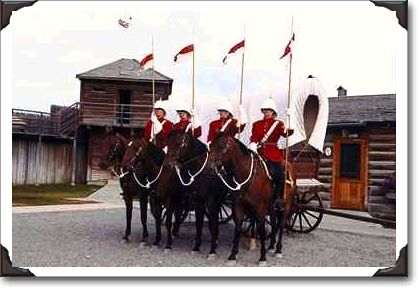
<point>114,150</point>
<point>252,190</point>
<point>189,157</point>
<point>146,162</point>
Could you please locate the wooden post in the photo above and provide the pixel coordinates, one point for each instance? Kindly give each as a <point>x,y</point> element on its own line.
<point>73,172</point>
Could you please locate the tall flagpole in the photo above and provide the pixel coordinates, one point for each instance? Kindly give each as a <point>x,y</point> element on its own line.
<point>241,77</point>
<point>153,84</point>
<point>193,70</point>
<point>152,77</point>
<point>288,118</point>
<point>193,79</point>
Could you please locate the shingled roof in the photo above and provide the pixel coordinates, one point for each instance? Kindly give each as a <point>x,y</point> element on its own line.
<point>123,69</point>
<point>358,110</point>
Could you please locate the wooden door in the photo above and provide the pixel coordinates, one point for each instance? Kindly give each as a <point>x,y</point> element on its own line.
<point>350,173</point>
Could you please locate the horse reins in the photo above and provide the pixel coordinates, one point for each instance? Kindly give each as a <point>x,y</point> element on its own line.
<point>147,185</point>
<point>238,185</point>
<point>192,179</point>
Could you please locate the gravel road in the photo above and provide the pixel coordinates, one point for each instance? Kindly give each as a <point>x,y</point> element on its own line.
<point>93,237</point>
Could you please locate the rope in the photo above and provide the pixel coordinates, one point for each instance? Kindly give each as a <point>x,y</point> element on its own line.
<point>192,179</point>
<point>238,185</point>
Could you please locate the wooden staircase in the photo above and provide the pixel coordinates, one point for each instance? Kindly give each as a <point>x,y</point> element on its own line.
<point>69,120</point>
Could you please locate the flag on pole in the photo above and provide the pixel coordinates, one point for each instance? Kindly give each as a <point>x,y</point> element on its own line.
<point>287,49</point>
<point>146,60</point>
<point>186,50</point>
<point>233,50</point>
<point>124,23</point>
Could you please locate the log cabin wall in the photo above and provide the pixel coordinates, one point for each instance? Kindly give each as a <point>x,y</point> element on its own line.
<point>381,157</point>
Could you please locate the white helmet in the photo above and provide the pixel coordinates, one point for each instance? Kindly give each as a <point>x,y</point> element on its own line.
<point>226,106</point>
<point>160,105</point>
<point>269,104</point>
<point>183,106</point>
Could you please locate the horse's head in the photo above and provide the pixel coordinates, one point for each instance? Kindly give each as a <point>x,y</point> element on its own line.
<point>221,150</point>
<point>113,150</point>
<point>143,153</point>
<point>178,144</point>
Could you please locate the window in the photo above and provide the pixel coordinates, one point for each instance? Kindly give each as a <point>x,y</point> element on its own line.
<point>350,159</point>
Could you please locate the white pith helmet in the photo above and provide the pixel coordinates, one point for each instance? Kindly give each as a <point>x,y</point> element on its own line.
<point>226,106</point>
<point>183,106</point>
<point>269,104</point>
<point>160,105</point>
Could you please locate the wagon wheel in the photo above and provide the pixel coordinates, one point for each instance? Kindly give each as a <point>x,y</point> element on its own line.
<point>225,213</point>
<point>301,219</point>
<point>249,227</point>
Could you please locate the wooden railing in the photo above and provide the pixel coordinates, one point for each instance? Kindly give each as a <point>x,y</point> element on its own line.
<point>129,115</point>
<point>35,122</point>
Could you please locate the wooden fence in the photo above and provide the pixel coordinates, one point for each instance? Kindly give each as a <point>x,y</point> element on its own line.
<point>45,162</point>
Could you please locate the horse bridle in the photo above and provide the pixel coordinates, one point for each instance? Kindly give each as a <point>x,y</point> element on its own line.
<point>149,183</point>
<point>238,185</point>
<point>192,176</point>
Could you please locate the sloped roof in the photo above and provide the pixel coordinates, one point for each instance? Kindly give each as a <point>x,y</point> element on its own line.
<point>123,69</point>
<point>362,109</point>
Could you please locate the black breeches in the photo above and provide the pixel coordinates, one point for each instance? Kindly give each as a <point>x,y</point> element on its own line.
<point>278,177</point>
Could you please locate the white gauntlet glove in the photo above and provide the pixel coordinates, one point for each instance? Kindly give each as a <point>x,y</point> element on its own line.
<point>157,126</point>
<point>254,147</point>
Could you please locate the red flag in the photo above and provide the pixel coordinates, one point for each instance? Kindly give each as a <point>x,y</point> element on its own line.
<point>233,50</point>
<point>185,50</point>
<point>287,49</point>
<point>145,60</point>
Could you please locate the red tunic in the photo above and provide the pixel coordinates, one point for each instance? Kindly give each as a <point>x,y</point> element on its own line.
<point>183,124</point>
<point>216,125</point>
<point>162,135</point>
<point>270,149</point>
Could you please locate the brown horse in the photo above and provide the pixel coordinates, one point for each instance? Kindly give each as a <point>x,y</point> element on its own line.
<point>114,150</point>
<point>252,189</point>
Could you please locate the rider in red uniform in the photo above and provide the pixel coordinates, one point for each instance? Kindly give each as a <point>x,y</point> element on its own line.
<point>264,141</point>
<point>188,121</point>
<point>227,123</point>
<point>158,127</point>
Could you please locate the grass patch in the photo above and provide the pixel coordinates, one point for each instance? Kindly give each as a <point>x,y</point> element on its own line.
<point>52,194</point>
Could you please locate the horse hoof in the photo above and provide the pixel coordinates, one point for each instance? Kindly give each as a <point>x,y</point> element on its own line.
<point>262,263</point>
<point>231,262</point>
<point>167,250</point>
<point>211,256</point>
<point>278,255</point>
<point>143,244</point>
<point>271,251</point>
<point>126,238</point>
<point>194,252</point>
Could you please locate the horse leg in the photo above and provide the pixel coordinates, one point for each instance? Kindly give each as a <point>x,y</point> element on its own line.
<point>178,219</point>
<point>169,213</point>
<point>238,223</point>
<point>128,215</point>
<point>281,226</point>
<point>213,226</point>
<point>274,229</point>
<point>262,235</point>
<point>143,211</point>
<point>199,223</point>
<point>157,211</point>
